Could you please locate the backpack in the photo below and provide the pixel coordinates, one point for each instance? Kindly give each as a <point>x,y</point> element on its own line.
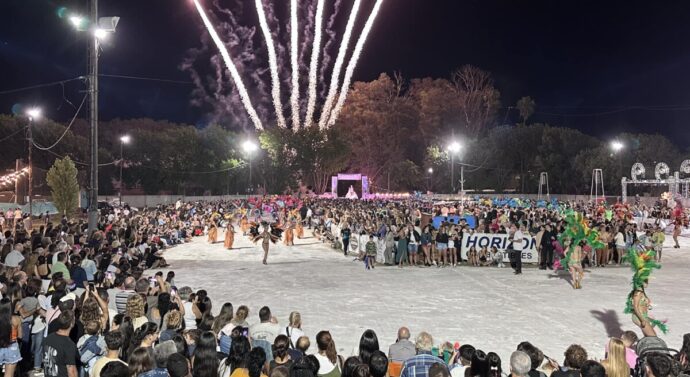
<point>90,351</point>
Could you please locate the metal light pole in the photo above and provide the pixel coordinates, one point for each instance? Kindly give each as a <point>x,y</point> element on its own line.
<point>249,147</point>
<point>93,113</point>
<point>33,114</point>
<point>124,139</point>
<point>617,146</point>
<point>453,149</point>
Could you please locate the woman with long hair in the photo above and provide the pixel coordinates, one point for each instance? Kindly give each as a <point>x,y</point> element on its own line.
<point>140,361</point>
<point>294,330</point>
<point>575,265</point>
<point>123,324</point>
<point>10,332</point>
<point>255,364</point>
<point>280,353</point>
<point>368,343</point>
<point>615,363</point>
<point>172,323</point>
<point>330,364</point>
<point>229,236</point>
<point>241,315</point>
<point>205,358</point>
<point>144,337</point>
<point>237,359</point>
<point>640,310</point>
<point>494,363</point>
<point>223,319</point>
<point>135,310</point>
<point>479,365</point>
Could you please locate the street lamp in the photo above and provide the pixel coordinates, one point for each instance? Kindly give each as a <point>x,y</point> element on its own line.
<point>124,139</point>
<point>431,172</point>
<point>99,28</point>
<point>33,114</point>
<point>616,146</point>
<point>453,149</point>
<point>249,148</point>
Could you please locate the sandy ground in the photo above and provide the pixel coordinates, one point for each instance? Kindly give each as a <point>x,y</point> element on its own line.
<point>489,308</point>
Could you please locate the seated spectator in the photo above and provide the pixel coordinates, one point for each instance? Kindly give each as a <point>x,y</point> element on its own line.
<point>658,365</point>
<point>437,370</point>
<point>520,364</point>
<point>330,363</point>
<point>368,344</point>
<point>593,369</point>
<point>294,329</point>
<point>402,349</point>
<point>205,359</point>
<point>280,354</point>
<point>575,356</point>
<point>616,364</point>
<point>629,339</point>
<point>239,350</point>
<point>536,357</point>
<point>300,349</point>
<point>418,366</point>
<point>161,353</point>
<point>378,364</point>
<point>462,361</point>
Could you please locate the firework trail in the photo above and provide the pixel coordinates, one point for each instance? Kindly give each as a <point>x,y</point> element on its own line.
<point>272,63</point>
<point>335,75</point>
<point>316,47</point>
<point>330,38</point>
<point>353,62</point>
<point>231,67</point>
<point>294,63</point>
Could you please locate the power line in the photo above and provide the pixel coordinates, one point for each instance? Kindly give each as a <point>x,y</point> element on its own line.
<point>127,77</point>
<point>12,134</point>
<point>9,91</point>
<point>66,129</point>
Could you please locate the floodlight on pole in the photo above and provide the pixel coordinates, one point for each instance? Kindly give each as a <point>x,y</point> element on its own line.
<point>617,145</point>
<point>77,21</point>
<point>431,170</point>
<point>33,113</point>
<point>125,139</point>
<point>249,147</point>
<point>453,149</point>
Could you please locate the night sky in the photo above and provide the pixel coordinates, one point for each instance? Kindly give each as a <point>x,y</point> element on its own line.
<point>600,66</point>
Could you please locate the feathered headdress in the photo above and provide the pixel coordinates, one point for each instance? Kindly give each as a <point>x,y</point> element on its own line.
<point>642,264</point>
<point>577,230</point>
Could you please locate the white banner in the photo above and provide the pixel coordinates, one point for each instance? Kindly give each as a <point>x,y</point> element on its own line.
<point>480,240</point>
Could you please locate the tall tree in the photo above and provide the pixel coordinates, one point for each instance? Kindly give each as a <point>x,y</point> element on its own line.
<point>479,99</point>
<point>525,106</point>
<point>62,179</point>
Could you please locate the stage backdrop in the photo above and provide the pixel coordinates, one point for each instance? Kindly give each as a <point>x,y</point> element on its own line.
<point>479,240</point>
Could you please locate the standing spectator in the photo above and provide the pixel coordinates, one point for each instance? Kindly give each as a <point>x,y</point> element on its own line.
<point>463,360</point>
<point>616,364</point>
<point>517,239</point>
<point>76,271</point>
<point>10,334</point>
<point>178,366</point>
<point>114,341</point>
<point>60,354</point>
<point>121,297</point>
<point>402,349</point>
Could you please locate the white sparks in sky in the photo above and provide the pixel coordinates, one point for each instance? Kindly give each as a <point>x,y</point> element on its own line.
<point>244,96</point>
<point>272,64</point>
<point>294,63</point>
<point>335,76</point>
<point>316,48</point>
<point>353,63</point>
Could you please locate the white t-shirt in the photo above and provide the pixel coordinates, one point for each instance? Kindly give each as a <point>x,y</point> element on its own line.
<point>518,239</point>
<point>295,333</point>
<point>264,331</point>
<point>325,365</point>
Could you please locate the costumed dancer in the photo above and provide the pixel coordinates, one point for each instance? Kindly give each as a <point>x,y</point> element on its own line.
<point>578,236</point>
<point>299,229</point>
<point>229,235</point>
<point>638,303</point>
<point>244,223</point>
<point>289,235</point>
<point>266,236</point>
<point>213,231</point>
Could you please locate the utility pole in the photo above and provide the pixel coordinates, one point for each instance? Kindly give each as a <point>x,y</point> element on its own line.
<point>16,181</point>
<point>31,166</point>
<point>93,92</point>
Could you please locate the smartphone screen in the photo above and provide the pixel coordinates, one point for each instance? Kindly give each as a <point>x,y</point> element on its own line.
<point>245,332</point>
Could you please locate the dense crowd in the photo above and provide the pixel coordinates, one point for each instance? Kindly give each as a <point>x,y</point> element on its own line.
<point>76,304</point>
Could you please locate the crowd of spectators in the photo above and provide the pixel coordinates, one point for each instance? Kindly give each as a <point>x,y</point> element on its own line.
<point>74,304</point>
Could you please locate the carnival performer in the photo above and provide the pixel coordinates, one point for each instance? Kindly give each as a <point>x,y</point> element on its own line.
<point>229,235</point>
<point>638,303</point>
<point>213,231</point>
<point>299,229</point>
<point>266,237</point>
<point>575,265</point>
<point>244,224</point>
<point>677,225</point>
<point>289,234</point>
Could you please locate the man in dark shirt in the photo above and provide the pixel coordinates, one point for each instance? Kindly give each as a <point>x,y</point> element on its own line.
<point>345,233</point>
<point>60,354</point>
<point>547,248</point>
